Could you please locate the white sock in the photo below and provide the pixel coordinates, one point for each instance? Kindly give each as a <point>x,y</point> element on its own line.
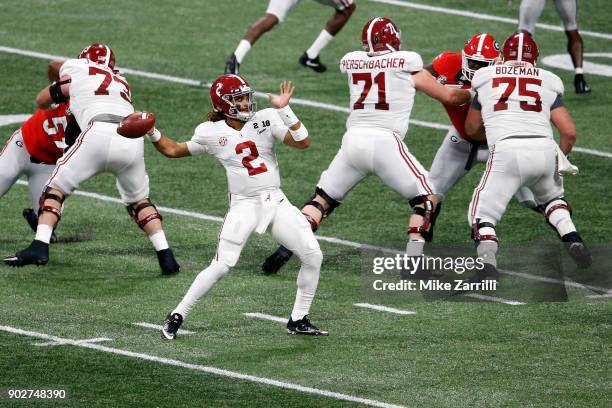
<point>202,284</point>
<point>307,281</point>
<point>241,51</point>
<point>317,46</point>
<point>562,221</point>
<point>43,233</point>
<point>579,70</point>
<point>158,238</point>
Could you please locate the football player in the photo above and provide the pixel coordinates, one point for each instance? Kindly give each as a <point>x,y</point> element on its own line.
<point>515,103</point>
<point>276,13</point>
<point>529,13</point>
<point>458,151</point>
<point>99,98</point>
<point>382,82</point>
<point>33,150</point>
<point>243,140</point>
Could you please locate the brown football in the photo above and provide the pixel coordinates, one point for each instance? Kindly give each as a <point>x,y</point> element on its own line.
<point>136,124</point>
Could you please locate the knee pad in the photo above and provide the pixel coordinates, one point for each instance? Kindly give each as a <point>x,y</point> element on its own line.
<point>47,195</point>
<point>423,206</point>
<point>332,203</point>
<point>135,209</point>
<point>483,231</point>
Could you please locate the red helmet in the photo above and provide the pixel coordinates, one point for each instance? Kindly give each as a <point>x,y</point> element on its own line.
<point>380,35</point>
<point>100,54</point>
<point>223,94</point>
<point>520,47</point>
<point>480,51</point>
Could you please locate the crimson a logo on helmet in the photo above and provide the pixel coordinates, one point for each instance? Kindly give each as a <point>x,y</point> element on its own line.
<point>222,141</point>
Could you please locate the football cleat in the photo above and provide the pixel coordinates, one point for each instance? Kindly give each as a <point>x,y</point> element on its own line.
<point>231,65</point>
<point>32,219</point>
<point>303,326</point>
<point>581,85</point>
<point>488,272</point>
<point>171,326</point>
<point>312,63</point>
<point>277,260</point>
<point>577,250</point>
<point>167,263</point>
<point>35,254</point>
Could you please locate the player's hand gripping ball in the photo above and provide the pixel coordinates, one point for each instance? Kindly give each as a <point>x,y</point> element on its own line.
<point>136,124</point>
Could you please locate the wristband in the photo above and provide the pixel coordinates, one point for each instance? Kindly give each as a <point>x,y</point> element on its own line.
<point>155,136</point>
<point>289,118</point>
<point>300,134</point>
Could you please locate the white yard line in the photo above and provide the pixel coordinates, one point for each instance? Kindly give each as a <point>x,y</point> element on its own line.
<point>481,16</point>
<point>206,369</point>
<point>567,283</point>
<point>61,343</point>
<point>264,316</point>
<point>493,299</point>
<point>159,327</point>
<point>295,101</point>
<point>387,309</point>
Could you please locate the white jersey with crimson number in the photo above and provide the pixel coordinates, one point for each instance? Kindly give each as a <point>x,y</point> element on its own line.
<point>381,89</point>
<point>248,155</point>
<point>516,99</point>
<point>96,89</point>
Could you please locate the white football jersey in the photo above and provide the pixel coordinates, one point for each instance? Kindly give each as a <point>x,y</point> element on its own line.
<point>381,89</point>
<point>95,89</point>
<point>515,100</point>
<point>248,155</point>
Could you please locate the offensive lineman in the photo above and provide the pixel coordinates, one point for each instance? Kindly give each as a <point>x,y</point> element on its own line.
<point>243,141</point>
<point>458,152</point>
<point>99,99</point>
<point>517,102</point>
<point>529,13</point>
<point>276,13</point>
<point>382,82</point>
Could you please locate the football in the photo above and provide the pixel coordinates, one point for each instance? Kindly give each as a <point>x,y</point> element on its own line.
<point>136,124</point>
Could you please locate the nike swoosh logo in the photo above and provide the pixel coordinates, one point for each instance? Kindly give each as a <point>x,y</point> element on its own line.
<point>311,64</point>
<point>259,132</point>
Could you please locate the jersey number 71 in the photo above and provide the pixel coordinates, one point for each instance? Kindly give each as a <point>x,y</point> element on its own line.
<point>366,78</point>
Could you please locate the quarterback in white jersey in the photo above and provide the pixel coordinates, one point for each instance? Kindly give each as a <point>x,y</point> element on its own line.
<point>517,101</point>
<point>243,141</point>
<point>382,82</point>
<point>99,99</point>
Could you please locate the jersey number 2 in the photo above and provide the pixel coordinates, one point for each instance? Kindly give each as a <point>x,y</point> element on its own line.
<point>108,78</point>
<point>366,78</point>
<point>253,154</point>
<point>502,103</point>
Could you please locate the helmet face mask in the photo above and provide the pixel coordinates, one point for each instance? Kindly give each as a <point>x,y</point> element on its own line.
<point>480,51</point>
<point>239,108</point>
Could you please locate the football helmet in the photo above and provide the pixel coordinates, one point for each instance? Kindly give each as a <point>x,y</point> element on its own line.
<point>479,51</point>
<point>224,92</point>
<point>380,35</point>
<point>520,47</point>
<point>100,54</point>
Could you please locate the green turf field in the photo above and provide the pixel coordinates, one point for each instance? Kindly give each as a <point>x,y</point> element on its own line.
<point>447,354</point>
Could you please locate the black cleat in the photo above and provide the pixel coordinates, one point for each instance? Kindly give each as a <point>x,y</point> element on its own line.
<point>32,219</point>
<point>167,263</point>
<point>488,272</point>
<point>171,326</point>
<point>36,254</point>
<point>231,65</point>
<point>303,326</point>
<point>581,85</point>
<point>577,250</point>
<point>312,63</point>
<point>277,260</point>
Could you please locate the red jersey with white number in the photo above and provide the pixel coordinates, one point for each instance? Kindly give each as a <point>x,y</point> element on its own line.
<point>95,89</point>
<point>43,133</point>
<point>248,155</point>
<point>515,99</point>
<point>381,89</point>
<point>448,72</point>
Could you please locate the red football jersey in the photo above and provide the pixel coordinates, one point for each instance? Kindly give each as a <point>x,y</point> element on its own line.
<point>448,72</point>
<point>43,133</point>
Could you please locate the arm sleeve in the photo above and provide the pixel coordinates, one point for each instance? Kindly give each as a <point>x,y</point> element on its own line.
<point>198,144</point>
<point>557,103</point>
<point>476,104</point>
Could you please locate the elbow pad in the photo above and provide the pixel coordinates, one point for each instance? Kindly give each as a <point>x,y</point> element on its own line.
<point>300,134</point>
<point>55,90</point>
